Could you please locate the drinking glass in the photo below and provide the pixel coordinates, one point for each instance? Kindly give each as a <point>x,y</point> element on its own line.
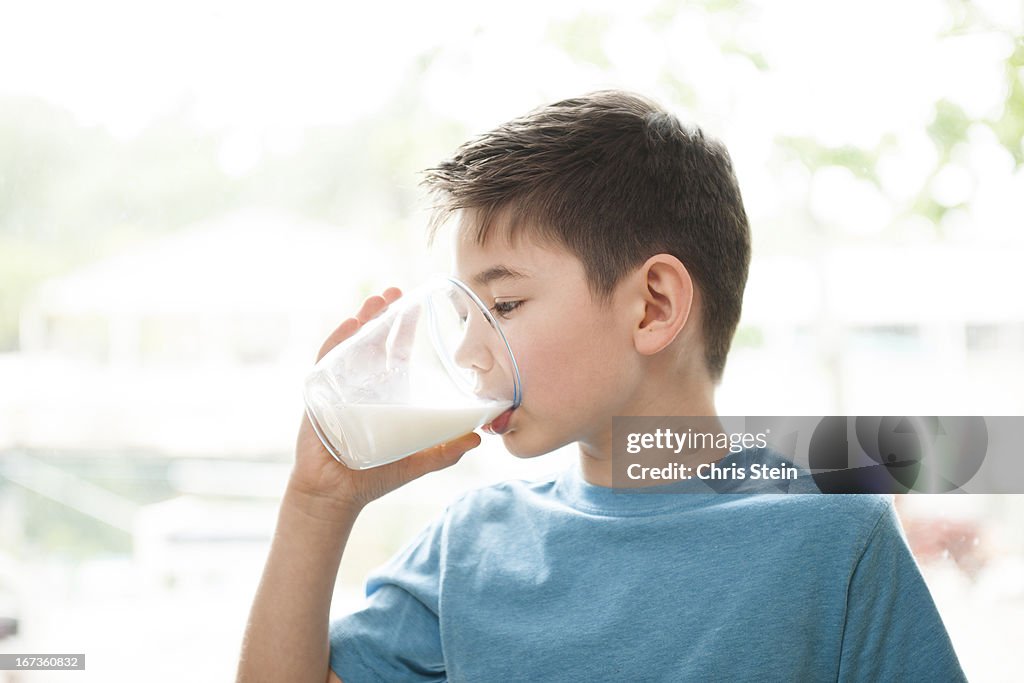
<point>433,366</point>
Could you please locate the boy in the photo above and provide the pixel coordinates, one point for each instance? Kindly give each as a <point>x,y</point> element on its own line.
<point>613,244</point>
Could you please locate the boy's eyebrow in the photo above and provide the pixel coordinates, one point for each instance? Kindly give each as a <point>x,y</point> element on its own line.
<point>488,276</point>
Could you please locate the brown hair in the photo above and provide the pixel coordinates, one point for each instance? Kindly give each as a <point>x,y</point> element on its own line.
<point>615,179</point>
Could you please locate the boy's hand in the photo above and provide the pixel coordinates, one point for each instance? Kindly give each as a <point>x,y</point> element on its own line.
<point>321,478</point>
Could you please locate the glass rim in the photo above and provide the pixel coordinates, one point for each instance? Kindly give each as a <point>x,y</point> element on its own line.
<point>517,391</point>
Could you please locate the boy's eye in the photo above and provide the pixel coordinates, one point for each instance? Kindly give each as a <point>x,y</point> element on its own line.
<point>503,308</point>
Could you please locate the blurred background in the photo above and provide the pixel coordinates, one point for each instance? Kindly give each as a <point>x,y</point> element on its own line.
<point>193,195</point>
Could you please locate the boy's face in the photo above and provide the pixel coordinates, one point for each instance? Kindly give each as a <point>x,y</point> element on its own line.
<point>575,356</point>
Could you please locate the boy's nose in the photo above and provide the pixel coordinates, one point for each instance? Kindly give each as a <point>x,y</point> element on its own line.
<point>473,352</point>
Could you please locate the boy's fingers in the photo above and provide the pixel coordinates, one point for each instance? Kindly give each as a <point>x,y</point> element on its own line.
<point>440,456</point>
<point>400,342</point>
<point>340,334</point>
<point>371,309</point>
<point>376,304</point>
<point>462,443</point>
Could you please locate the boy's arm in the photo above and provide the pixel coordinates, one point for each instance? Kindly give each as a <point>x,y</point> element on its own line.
<point>893,630</point>
<point>286,636</point>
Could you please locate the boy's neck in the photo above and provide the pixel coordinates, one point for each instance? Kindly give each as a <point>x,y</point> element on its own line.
<point>596,454</point>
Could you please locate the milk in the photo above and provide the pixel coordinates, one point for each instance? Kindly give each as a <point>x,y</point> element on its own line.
<point>367,435</point>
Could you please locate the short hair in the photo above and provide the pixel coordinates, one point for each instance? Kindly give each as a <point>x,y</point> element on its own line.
<point>614,178</point>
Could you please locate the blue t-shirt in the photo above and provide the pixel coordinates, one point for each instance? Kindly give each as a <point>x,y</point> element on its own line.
<point>561,580</point>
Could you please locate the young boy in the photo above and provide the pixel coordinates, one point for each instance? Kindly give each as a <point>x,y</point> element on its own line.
<point>612,242</point>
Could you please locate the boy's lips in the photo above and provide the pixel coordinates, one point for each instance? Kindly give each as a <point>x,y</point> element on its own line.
<point>499,424</point>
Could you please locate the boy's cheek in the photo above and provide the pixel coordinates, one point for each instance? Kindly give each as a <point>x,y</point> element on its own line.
<point>548,366</point>
<point>565,361</point>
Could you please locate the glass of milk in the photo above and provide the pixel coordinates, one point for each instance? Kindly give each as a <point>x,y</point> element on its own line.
<point>433,366</point>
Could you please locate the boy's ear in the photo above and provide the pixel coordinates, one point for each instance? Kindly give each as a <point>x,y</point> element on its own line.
<point>667,292</point>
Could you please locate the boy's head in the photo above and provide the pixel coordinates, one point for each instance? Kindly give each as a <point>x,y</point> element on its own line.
<point>613,181</point>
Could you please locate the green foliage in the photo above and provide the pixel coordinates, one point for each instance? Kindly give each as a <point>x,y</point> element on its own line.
<point>748,338</point>
<point>51,528</point>
<point>582,38</point>
<point>1009,127</point>
<point>668,9</point>
<point>969,18</point>
<point>948,128</point>
<point>926,207</point>
<point>810,152</point>
<point>682,93</point>
<point>756,58</point>
<point>62,181</point>
<point>23,264</point>
<point>71,194</point>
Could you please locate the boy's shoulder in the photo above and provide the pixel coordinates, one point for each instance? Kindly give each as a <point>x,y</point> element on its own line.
<point>856,515</point>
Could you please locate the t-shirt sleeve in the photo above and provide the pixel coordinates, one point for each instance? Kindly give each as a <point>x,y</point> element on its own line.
<point>396,636</point>
<point>893,631</point>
